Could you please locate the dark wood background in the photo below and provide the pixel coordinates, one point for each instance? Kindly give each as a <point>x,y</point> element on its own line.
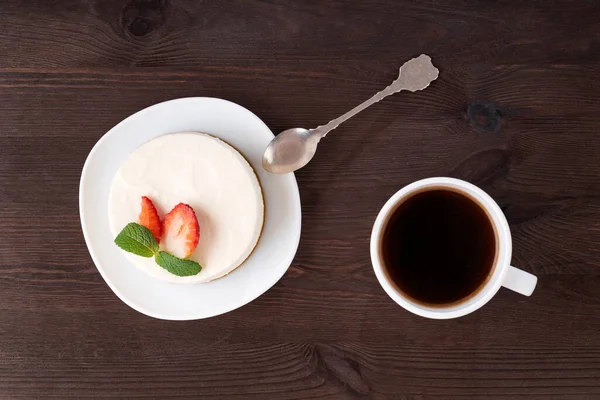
<point>528,72</point>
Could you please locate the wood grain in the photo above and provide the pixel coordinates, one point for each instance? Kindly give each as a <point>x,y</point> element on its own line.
<point>527,72</point>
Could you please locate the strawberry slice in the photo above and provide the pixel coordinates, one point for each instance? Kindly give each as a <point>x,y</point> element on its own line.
<point>181,231</point>
<point>149,218</point>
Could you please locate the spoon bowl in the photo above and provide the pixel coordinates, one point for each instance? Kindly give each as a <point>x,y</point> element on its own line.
<point>292,149</point>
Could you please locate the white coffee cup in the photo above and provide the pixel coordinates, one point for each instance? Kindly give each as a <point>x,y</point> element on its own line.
<point>502,273</point>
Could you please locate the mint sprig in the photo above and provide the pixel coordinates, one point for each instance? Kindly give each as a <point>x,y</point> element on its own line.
<point>138,239</point>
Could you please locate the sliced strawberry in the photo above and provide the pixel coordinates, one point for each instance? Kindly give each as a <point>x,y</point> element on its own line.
<point>149,218</point>
<point>181,231</point>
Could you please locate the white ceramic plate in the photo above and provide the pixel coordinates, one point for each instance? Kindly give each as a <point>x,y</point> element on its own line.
<point>271,257</point>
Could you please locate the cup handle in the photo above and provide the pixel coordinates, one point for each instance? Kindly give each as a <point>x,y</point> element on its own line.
<point>520,281</point>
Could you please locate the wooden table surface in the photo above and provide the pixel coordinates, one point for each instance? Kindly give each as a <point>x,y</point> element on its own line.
<point>516,110</point>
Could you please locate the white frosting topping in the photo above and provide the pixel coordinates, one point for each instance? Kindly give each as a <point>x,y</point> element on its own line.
<point>209,175</point>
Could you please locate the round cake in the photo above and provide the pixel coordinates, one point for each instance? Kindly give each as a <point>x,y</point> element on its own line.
<point>205,173</point>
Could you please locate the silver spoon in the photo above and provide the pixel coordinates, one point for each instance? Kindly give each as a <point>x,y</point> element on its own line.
<point>293,148</point>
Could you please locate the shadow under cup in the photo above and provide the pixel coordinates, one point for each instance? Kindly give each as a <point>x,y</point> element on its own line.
<point>438,247</point>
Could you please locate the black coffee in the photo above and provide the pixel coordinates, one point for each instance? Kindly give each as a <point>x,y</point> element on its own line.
<point>438,247</point>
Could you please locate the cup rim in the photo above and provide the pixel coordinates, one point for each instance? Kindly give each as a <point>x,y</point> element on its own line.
<point>503,257</point>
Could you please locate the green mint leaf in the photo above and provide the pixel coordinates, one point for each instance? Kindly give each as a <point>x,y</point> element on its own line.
<point>177,266</point>
<point>137,239</point>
